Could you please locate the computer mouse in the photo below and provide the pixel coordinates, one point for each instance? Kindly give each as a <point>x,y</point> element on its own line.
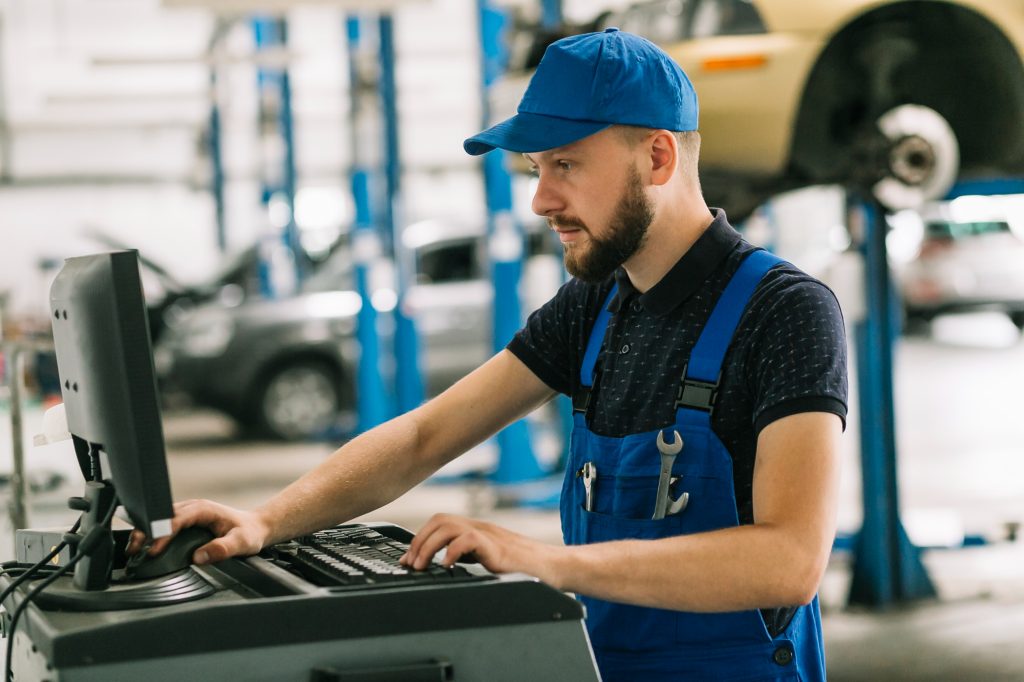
<point>176,555</point>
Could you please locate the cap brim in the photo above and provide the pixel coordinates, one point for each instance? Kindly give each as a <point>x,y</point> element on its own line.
<point>531,133</point>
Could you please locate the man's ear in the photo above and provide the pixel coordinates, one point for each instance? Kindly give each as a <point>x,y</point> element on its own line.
<point>664,150</point>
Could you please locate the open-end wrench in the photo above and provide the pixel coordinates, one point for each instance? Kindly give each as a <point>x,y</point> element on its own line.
<point>668,457</point>
<point>676,506</point>
<point>589,473</point>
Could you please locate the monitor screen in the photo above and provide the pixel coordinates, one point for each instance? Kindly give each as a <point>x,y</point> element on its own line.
<point>105,362</point>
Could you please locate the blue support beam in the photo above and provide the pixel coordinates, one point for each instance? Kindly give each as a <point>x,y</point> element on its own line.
<point>887,568</point>
<point>372,399</point>
<point>550,13</point>
<point>289,175</point>
<point>551,17</point>
<point>217,164</point>
<point>516,460</point>
<point>986,187</point>
<point>275,102</point>
<point>408,380</point>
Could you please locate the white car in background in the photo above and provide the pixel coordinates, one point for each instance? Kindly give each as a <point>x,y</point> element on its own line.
<point>970,257</point>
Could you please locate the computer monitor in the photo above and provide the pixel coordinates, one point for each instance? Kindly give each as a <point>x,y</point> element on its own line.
<point>105,362</point>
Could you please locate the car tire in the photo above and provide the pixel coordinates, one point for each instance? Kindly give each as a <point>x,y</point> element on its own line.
<point>300,400</point>
<point>870,122</point>
<point>1017,317</point>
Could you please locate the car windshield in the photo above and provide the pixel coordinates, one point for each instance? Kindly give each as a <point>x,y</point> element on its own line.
<point>958,230</point>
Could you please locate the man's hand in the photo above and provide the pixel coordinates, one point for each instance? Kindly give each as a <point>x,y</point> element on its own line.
<point>238,532</point>
<point>498,549</point>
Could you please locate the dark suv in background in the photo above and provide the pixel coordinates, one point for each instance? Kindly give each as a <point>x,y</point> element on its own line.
<point>287,367</point>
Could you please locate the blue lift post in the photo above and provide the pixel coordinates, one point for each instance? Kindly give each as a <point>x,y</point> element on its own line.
<point>550,13</point>
<point>408,380</point>
<point>371,394</point>
<point>887,568</point>
<point>275,86</point>
<point>550,19</point>
<point>516,461</point>
<point>216,162</point>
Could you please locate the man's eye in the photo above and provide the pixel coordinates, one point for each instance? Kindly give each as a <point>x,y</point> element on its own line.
<point>565,166</point>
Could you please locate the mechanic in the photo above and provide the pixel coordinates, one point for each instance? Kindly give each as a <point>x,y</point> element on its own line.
<point>709,389</point>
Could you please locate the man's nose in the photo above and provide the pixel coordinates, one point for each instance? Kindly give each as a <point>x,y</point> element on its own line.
<point>546,199</point>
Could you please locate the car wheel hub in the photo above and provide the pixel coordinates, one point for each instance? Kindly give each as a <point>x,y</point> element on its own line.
<point>300,402</point>
<point>923,157</point>
<point>912,160</point>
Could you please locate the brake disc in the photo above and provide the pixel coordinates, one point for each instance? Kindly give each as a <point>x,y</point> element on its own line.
<point>922,157</point>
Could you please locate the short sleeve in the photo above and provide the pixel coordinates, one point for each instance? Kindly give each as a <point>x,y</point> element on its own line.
<point>797,360</point>
<point>547,343</point>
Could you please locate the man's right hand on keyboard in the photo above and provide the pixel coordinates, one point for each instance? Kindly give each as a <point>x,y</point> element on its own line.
<point>239,533</point>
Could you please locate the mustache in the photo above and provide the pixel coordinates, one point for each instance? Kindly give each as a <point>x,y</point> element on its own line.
<point>554,222</point>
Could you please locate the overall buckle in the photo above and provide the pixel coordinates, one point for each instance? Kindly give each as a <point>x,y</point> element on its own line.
<point>695,394</point>
<point>581,400</point>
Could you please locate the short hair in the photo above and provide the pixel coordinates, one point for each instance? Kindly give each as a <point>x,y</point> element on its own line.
<point>688,141</point>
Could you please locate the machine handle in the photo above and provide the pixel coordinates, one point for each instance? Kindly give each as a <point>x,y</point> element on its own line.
<point>430,671</point>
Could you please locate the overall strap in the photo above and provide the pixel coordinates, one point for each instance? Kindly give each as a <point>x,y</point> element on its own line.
<point>704,368</point>
<point>581,400</point>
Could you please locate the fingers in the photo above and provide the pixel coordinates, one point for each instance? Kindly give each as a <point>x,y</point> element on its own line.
<point>135,542</point>
<point>234,543</point>
<point>436,534</point>
<point>465,545</point>
<point>237,538</point>
<point>459,536</point>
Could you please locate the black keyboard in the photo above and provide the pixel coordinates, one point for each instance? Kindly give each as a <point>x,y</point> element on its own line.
<point>360,556</point>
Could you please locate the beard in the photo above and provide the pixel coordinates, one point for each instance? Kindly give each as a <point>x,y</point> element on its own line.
<point>595,262</point>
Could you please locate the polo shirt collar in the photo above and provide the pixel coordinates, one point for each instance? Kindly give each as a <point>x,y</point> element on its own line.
<point>688,274</point>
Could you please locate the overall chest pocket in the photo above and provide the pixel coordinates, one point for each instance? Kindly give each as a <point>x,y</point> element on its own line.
<point>635,497</point>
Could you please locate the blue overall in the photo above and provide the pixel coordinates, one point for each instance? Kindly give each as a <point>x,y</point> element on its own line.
<point>640,644</point>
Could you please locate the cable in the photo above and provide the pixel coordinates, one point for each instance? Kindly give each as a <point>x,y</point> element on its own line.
<point>38,565</point>
<point>84,549</point>
<point>8,675</point>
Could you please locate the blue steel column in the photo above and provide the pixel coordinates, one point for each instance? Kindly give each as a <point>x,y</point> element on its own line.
<point>287,127</point>
<point>550,19</point>
<point>371,394</point>
<point>516,461</point>
<point>217,163</point>
<point>550,13</point>
<point>276,86</point>
<point>887,567</point>
<point>409,382</point>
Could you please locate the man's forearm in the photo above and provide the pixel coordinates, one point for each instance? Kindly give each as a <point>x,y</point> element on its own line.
<point>726,570</point>
<point>383,463</point>
<point>364,474</point>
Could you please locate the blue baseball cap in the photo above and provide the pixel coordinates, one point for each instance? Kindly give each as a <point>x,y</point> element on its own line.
<point>588,82</point>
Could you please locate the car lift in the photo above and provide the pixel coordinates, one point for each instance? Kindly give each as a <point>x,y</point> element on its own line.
<point>887,567</point>
<point>516,461</point>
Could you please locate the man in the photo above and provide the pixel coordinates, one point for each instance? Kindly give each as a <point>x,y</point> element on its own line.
<point>674,337</point>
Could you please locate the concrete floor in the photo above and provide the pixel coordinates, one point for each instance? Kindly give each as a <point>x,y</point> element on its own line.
<point>960,436</point>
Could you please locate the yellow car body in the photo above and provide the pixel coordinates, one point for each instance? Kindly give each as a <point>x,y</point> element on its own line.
<point>800,93</point>
<point>751,86</point>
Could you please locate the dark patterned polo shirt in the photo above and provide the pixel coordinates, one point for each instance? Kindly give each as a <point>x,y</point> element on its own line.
<point>788,354</point>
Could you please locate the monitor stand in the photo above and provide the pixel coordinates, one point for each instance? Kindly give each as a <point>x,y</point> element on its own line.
<point>96,586</point>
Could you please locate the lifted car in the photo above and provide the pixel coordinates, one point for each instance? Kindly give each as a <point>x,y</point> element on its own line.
<point>896,97</point>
